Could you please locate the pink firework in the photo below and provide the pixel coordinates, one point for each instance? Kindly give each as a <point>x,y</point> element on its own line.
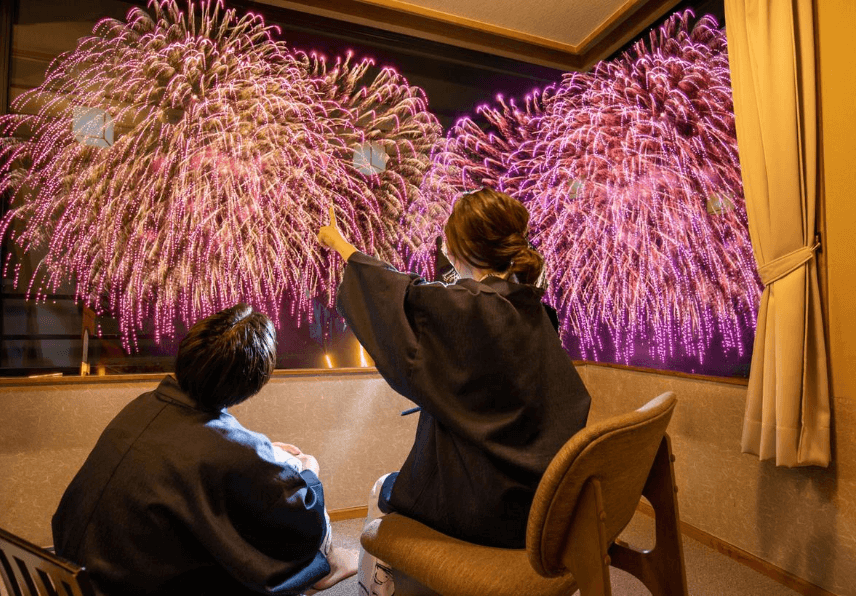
<point>228,149</point>
<point>631,175</point>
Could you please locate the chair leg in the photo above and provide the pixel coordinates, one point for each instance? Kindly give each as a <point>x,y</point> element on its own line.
<point>661,569</point>
<point>586,555</point>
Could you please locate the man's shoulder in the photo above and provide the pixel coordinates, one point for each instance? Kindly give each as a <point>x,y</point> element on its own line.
<point>136,414</point>
<point>226,429</point>
<point>153,425</point>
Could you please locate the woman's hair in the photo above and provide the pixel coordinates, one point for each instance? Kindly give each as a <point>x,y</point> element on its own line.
<point>488,229</point>
<point>227,357</point>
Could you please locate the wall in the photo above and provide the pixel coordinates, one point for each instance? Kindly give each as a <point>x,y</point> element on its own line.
<point>802,520</point>
<point>350,422</point>
<point>836,25</point>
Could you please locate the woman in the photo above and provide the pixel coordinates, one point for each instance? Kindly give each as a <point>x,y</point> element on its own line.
<point>499,395</point>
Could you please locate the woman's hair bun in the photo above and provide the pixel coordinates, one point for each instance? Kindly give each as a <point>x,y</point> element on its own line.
<point>488,230</point>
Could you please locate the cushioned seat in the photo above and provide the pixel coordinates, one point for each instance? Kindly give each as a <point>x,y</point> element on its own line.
<point>586,497</point>
<point>444,562</point>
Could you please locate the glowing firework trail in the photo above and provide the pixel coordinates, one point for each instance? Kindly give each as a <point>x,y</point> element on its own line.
<point>230,148</point>
<point>632,179</point>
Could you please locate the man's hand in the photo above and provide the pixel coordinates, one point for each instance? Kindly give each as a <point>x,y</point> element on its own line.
<point>330,236</point>
<point>308,461</point>
<point>287,447</point>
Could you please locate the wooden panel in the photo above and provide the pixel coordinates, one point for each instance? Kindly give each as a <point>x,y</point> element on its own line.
<point>606,41</point>
<point>836,74</point>
<point>57,379</point>
<point>6,17</point>
<point>405,18</point>
<point>348,513</point>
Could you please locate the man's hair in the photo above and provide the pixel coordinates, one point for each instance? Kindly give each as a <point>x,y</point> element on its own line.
<point>227,357</point>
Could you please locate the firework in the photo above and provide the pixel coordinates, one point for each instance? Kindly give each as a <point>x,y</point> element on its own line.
<point>229,148</point>
<point>631,175</point>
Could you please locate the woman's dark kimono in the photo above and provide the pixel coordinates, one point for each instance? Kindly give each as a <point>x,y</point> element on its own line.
<point>499,394</point>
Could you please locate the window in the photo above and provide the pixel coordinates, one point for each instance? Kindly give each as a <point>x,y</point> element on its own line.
<point>53,325</point>
<point>67,321</point>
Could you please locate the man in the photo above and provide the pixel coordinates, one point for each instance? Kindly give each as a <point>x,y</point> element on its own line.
<point>178,498</point>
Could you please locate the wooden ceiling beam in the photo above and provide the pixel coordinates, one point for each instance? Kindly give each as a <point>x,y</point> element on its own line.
<point>408,19</point>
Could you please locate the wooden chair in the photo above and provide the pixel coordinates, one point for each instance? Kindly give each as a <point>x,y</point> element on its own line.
<point>29,570</point>
<point>586,497</point>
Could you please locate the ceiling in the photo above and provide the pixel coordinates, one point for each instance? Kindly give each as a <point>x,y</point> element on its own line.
<point>560,34</point>
<point>462,53</point>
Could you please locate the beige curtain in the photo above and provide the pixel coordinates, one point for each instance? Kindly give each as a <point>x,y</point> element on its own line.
<point>771,54</point>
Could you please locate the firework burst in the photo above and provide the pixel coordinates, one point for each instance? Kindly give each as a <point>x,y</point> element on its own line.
<point>229,149</point>
<point>631,175</point>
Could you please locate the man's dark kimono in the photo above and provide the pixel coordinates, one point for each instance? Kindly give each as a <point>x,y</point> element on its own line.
<point>177,500</point>
<point>499,394</point>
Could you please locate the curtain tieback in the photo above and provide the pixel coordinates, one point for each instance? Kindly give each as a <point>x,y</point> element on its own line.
<point>778,268</point>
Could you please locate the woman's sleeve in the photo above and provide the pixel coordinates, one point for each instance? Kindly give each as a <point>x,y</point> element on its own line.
<point>373,300</point>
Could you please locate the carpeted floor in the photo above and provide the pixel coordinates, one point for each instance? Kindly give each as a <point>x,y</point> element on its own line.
<point>709,573</point>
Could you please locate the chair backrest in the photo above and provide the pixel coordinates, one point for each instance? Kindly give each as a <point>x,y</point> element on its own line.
<point>618,453</point>
<point>29,570</point>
